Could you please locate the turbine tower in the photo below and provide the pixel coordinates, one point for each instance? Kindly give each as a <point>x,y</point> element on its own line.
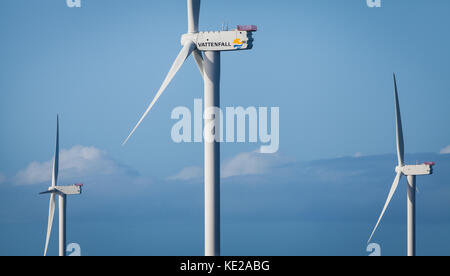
<point>410,171</point>
<point>206,47</point>
<point>62,192</point>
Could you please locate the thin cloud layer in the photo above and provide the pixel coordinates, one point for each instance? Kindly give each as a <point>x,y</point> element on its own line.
<point>188,173</point>
<point>243,164</point>
<point>2,178</point>
<point>446,150</point>
<point>252,163</point>
<point>75,163</point>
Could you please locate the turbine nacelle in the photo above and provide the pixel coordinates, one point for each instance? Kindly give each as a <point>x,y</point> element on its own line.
<point>416,170</point>
<point>234,40</point>
<point>65,190</point>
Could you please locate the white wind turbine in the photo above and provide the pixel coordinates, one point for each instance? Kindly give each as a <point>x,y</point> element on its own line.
<point>410,171</point>
<point>211,44</point>
<point>61,192</point>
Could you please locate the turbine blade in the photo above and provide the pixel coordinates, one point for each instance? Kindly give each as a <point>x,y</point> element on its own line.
<point>56,158</point>
<point>193,7</point>
<point>182,56</point>
<point>48,192</point>
<point>199,60</point>
<point>400,140</point>
<point>51,214</point>
<point>391,194</point>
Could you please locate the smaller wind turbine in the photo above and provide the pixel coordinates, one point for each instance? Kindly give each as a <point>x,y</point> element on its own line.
<point>410,171</point>
<point>61,192</point>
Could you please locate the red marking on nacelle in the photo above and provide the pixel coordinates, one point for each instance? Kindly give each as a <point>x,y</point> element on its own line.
<point>79,185</point>
<point>247,28</point>
<point>430,163</point>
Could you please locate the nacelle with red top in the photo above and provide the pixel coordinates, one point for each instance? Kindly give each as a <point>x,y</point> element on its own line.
<point>65,190</point>
<point>422,169</point>
<point>235,40</point>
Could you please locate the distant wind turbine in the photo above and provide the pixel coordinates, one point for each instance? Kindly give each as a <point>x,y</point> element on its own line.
<point>61,192</point>
<point>211,44</point>
<point>410,171</point>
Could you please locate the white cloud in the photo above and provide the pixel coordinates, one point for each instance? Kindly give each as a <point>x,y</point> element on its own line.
<point>2,178</point>
<point>247,163</point>
<point>189,173</point>
<point>446,150</point>
<point>251,163</point>
<point>77,162</point>
<point>358,155</point>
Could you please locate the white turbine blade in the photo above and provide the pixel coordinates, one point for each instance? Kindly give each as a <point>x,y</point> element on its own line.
<point>193,7</point>
<point>391,194</point>
<point>56,158</point>
<point>199,60</point>
<point>51,214</point>
<point>182,56</point>
<point>47,192</point>
<point>400,141</point>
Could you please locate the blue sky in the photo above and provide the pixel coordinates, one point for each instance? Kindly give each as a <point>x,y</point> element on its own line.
<point>327,64</point>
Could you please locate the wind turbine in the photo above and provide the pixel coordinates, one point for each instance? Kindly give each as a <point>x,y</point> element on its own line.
<point>61,192</point>
<point>211,44</point>
<point>410,171</point>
